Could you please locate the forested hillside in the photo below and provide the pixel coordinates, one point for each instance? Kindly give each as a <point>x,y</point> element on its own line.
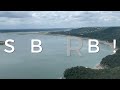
<point>80,72</point>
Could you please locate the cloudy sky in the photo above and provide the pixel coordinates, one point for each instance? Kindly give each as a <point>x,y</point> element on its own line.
<point>57,19</point>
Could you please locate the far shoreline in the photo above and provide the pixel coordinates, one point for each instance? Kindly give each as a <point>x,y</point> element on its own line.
<point>97,66</point>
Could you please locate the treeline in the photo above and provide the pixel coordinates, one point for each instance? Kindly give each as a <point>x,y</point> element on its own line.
<point>102,33</point>
<point>80,31</point>
<point>107,34</point>
<point>87,73</point>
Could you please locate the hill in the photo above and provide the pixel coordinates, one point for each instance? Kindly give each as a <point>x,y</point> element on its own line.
<point>80,31</point>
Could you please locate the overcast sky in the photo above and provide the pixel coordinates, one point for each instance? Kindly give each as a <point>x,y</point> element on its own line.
<point>57,19</point>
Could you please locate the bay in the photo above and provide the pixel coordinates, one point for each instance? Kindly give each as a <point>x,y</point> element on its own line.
<point>50,63</point>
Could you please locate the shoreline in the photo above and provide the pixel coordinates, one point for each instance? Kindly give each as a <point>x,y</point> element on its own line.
<point>84,38</point>
<point>97,66</point>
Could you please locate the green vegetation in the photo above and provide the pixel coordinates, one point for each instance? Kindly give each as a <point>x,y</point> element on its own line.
<point>111,63</point>
<point>107,34</point>
<point>87,73</point>
<point>80,31</point>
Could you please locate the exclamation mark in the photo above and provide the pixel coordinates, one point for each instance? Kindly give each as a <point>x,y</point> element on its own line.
<point>114,46</point>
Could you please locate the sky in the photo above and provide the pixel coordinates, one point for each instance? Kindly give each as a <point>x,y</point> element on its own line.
<point>57,19</point>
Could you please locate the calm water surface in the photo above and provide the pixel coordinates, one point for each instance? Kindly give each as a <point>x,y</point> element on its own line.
<point>50,63</point>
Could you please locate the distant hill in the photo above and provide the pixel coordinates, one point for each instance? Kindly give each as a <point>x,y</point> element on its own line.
<point>102,33</point>
<point>107,34</point>
<point>85,30</point>
<point>81,31</point>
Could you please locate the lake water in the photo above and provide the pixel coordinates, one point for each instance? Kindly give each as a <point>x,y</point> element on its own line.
<point>50,63</point>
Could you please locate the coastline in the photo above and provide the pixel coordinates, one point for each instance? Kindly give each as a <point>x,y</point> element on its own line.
<point>97,66</point>
<point>85,38</point>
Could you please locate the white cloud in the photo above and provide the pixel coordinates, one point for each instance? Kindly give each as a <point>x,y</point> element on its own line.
<point>54,19</point>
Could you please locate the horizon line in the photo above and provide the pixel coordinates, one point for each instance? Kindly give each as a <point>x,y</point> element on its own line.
<point>56,28</point>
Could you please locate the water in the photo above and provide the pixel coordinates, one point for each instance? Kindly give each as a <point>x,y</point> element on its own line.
<point>50,63</point>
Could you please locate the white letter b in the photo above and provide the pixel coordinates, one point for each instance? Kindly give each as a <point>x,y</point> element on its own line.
<point>33,46</point>
<point>93,46</point>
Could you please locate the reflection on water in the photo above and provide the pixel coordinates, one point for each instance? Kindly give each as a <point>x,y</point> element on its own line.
<point>50,63</point>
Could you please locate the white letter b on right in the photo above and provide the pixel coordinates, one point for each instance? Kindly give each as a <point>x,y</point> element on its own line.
<point>90,46</point>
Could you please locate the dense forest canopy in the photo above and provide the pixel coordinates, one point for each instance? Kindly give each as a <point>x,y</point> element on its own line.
<point>88,73</point>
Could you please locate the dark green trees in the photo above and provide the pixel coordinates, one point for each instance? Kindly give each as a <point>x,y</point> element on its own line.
<point>87,73</point>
